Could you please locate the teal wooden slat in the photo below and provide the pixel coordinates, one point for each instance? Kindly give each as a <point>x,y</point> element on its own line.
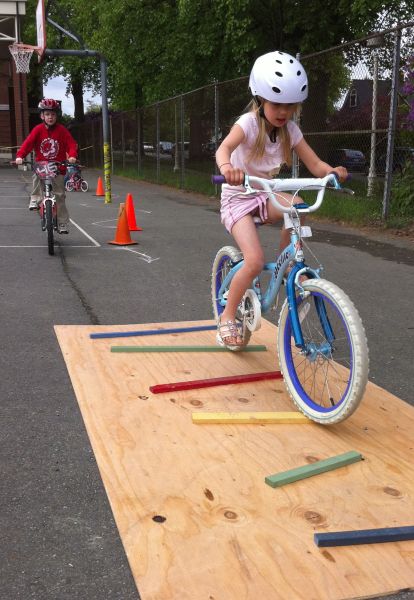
<point>321,466</point>
<point>184,349</point>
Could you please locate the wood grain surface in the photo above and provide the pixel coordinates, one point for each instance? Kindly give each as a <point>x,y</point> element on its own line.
<point>193,511</point>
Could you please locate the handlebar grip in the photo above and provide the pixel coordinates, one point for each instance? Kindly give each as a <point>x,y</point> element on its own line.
<point>218,179</point>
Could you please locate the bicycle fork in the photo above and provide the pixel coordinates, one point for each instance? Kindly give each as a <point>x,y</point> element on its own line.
<point>310,350</point>
<point>48,197</point>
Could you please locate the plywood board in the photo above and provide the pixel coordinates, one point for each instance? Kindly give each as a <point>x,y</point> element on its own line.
<point>195,516</point>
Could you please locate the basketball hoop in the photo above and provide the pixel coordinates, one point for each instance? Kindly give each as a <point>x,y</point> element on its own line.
<point>22,53</point>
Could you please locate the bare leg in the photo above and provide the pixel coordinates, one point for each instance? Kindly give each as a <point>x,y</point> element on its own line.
<point>245,235</point>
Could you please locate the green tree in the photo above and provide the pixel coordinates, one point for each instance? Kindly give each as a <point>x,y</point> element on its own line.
<point>159,48</point>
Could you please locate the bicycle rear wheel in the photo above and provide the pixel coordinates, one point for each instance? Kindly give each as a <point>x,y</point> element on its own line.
<point>224,261</point>
<point>328,379</point>
<point>84,185</point>
<point>69,186</point>
<point>49,227</point>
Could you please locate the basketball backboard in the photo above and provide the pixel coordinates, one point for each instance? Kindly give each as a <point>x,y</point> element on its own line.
<point>41,28</point>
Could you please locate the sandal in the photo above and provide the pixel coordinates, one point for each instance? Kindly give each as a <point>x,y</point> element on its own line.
<point>227,330</point>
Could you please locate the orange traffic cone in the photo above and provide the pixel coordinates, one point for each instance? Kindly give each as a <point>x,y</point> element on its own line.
<point>130,211</point>
<point>99,188</point>
<point>122,235</point>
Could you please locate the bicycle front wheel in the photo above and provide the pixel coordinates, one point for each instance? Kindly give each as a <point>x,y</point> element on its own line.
<point>49,227</point>
<point>327,379</point>
<point>84,185</point>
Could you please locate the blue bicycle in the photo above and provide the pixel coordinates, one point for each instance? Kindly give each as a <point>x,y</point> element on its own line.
<point>322,346</point>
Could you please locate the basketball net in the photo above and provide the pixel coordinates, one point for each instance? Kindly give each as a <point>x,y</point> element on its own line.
<point>22,55</point>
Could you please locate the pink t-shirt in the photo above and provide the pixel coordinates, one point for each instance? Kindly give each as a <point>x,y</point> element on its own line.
<point>269,165</point>
<point>234,205</point>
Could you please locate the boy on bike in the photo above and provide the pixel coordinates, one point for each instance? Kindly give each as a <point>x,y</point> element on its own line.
<point>51,142</point>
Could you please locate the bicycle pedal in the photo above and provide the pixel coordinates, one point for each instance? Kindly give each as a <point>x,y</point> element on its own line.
<point>305,231</point>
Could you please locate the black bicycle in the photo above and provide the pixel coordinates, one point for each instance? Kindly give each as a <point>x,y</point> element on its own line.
<point>47,171</point>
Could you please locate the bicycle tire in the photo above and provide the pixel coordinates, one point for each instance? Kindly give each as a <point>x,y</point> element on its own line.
<point>328,383</point>
<point>224,260</point>
<point>69,186</point>
<point>49,227</point>
<point>84,186</point>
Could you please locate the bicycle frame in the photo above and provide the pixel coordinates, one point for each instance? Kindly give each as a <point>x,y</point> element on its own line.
<point>292,253</point>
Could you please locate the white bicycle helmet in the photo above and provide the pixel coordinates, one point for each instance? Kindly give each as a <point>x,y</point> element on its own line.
<point>279,77</point>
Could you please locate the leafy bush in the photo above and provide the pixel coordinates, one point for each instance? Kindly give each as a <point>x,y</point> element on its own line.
<point>402,193</point>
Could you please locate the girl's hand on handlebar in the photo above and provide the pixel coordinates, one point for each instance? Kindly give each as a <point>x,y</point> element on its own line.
<point>19,161</point>
<point>341,172</point>
<point>72,160</point>
<point>233,176</point>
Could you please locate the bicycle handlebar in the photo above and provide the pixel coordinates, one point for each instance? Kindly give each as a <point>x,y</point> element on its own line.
<point>57,162</point>
<point>272,186</point>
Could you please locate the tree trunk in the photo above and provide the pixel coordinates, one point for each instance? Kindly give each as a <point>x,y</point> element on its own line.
<point>77,93</point>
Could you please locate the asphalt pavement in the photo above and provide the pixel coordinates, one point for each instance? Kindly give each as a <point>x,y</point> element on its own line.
<point>59,539</point>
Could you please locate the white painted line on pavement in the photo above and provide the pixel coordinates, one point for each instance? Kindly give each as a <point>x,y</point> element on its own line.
<point>142,256</point>
<point>85,234</point>
<point>106,221</point>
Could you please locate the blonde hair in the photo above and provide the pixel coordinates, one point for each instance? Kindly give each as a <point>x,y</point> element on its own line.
<point>258,149</point>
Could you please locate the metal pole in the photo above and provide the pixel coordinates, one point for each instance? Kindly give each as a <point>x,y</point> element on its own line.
<point>182,161</point>
<point>372,173</point>
<point>112,144</point>
<point>295,158</point>
<point>139,140</point>
<point>391,126</point>
<point>20,79</point>
<point>157,134</point>
<point>216,122</point>
<point>176,165</point>
<point>105,131</point>
<point>123,140</point>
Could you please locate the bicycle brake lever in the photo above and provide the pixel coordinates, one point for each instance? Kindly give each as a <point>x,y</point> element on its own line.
<point>342,190</point>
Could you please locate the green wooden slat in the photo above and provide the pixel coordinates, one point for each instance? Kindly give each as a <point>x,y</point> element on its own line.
<point>321,466</point>
<point>184,349</point>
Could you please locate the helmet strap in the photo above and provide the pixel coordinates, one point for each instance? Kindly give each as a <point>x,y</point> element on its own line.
<point>273,132</point>
<point>273,135</point>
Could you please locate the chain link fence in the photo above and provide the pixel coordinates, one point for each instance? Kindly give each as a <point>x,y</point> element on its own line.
<point>353,112</point>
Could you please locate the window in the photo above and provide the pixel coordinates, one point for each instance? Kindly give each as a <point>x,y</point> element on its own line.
<point>353,97</point>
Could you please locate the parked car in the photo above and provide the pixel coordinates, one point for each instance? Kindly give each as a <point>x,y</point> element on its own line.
<point>166,147</point>
<point>186,149</point>
<point>401,155</point>
<point>209,149</point>
<point>148,147</point>
<point>353,160</point>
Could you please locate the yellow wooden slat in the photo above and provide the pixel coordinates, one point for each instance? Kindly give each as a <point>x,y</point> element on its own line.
<point>259,418</point>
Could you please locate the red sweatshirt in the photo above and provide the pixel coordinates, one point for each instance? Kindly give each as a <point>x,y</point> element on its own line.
<point>53,143</point>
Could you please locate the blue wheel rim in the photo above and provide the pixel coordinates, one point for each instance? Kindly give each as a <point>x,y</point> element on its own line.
<point>291,365</point>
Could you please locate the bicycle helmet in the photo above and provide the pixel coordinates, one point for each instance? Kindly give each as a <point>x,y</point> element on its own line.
<point>279,77</point>
<point>49,104</point>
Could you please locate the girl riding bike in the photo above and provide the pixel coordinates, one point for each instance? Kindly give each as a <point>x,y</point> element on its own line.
<point>51,142</point>
<point>259,143</point>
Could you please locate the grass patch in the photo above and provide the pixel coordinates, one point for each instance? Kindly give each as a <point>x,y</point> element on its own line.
<point>358,210</point>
